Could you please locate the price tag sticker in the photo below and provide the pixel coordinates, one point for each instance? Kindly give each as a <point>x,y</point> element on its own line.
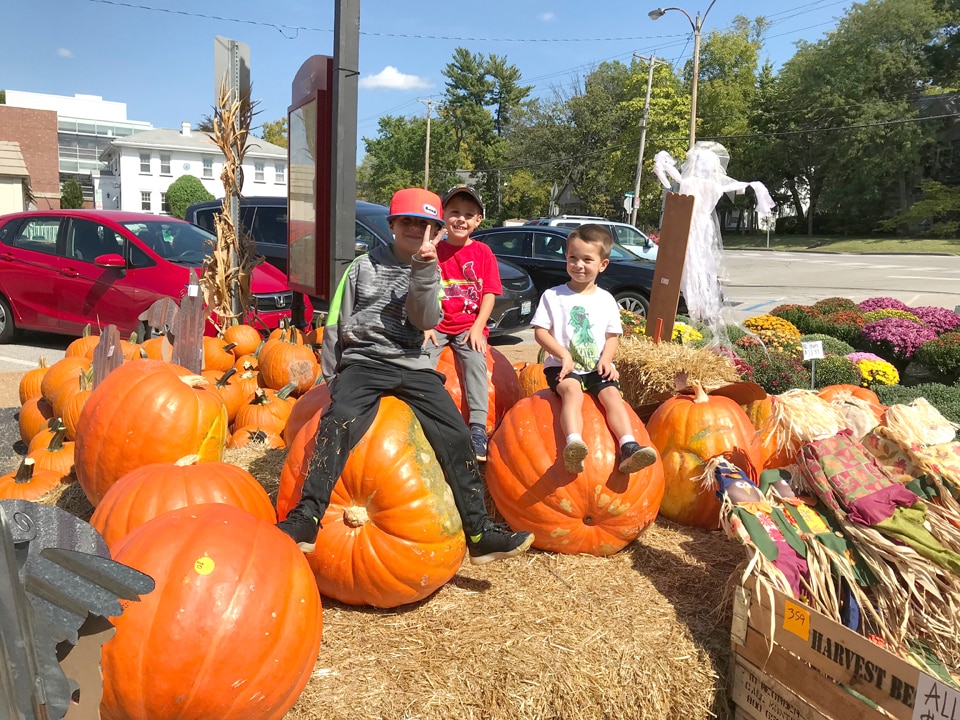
<point>194,291</point>
<point>812,350</point>
<point>796,619</point>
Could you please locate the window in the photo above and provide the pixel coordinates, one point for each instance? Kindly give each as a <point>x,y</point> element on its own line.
<point>165,165</point>
<point>145,203</point>
<point>270,226</point>
<point>258,172</point>
<point>39,235</point>
<point>144,163</point>
<point>508,243</point>
<point>164,204</point>
<point>208,167</point>
<point>86,240</point>
<point>279,173</point>
<point>546,245</point>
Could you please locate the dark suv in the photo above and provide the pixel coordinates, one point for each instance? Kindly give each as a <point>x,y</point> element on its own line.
<point>265,218</point>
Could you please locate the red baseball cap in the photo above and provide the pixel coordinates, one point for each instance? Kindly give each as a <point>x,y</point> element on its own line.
<point>416,202</point>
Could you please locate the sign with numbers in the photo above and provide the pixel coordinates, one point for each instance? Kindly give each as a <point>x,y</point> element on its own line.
<point>812,350</point>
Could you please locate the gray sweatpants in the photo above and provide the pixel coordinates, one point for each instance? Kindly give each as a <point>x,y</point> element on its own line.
<point>473,365</point>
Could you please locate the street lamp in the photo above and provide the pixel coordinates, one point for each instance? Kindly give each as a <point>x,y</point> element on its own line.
<point>697,25</point>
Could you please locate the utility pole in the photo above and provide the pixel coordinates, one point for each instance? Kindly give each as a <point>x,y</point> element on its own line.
<point>643,138</point>
<point>426,154</point>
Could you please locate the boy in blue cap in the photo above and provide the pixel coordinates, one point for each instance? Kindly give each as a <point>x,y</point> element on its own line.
<point>373,346</point>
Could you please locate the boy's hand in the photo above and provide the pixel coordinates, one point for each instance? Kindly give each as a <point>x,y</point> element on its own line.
<point>430,336</point>
<point>428,248</point>
<point>476,340</point>
<point>567,367</point>
<point>608,371</point>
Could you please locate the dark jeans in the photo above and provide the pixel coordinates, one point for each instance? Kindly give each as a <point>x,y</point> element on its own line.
<point>354,399</point>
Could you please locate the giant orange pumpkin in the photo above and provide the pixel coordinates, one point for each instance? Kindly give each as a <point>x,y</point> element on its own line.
<point>315,400</point>
<point>232,629</point>
<point>690,430</point>
<point>833,393</point>
<point>503,387</point>
<point>598,511</point>
<point>146,411</point>
<point>392,533</point>
<point>146,492</point>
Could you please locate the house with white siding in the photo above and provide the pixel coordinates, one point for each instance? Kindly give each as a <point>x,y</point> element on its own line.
<point>141,167</point>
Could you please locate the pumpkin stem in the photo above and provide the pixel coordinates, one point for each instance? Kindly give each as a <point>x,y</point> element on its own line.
<point>87,330</point>
<point>699,396</point>
<point>25,471</point>
<point>42,361</point>
<point>225,378</point>
<point>229,347</point>
<point>257,436</point>
<point>355,516</point>
<point>194,380</point>
<point>285,391</point>
<point>187,460</point>
<point>59,434</point>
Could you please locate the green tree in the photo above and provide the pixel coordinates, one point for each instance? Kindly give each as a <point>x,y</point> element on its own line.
<point>71,195</point>
<point>183,192</point>
<point>205,124</point>
<point>507,94</point>
<point>276,132</point>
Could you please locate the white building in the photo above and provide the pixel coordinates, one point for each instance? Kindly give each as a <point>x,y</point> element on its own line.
<point>86,125</point>
<point>140,168</point>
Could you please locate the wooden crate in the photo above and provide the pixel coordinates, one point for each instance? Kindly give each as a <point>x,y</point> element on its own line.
<point>813,668</point>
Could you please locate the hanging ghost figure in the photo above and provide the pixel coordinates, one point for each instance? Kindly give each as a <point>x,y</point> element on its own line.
<point>704,176</point>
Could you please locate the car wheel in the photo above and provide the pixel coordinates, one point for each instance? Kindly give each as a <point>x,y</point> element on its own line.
<point>633,301</point>
<point>7,328</point>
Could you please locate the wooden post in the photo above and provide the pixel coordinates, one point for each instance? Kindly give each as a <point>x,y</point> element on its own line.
<point>107,355</point>
<point>665,295</point>
<point>188,329</point>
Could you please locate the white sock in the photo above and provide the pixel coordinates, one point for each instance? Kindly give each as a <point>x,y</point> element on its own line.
<point>627,438</point>
<point>573,436</point>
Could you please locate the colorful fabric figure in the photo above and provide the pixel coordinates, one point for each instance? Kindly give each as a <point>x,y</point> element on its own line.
<point>851,482</point>
<point>751,519</point>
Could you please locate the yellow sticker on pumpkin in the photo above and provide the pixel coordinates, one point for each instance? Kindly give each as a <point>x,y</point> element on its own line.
<point>204,565</point>
<point>796,619</point>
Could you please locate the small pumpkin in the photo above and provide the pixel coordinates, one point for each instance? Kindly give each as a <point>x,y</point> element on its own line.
<point>391,534</point>
<point>600,510</point>
<point>146,492</point>
<point>56,454</point>
<point>65,371</point>
<point>690,430</point>
<point>283,362</point>
<point>33,418</point>
<point>217,354</point>
<point>235,612</point>
<point>28,482</point>
<point>245,339</point>
<point>503,387</point>
<point>236,389</point>
<point>268,410</point>
<point>83,344</point>
<point>30,382</point>
<point>256,437</point>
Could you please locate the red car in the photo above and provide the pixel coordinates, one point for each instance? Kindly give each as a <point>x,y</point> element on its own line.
<point>63,269</point>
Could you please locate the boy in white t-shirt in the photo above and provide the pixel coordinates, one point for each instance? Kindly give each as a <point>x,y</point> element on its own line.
<point>578,324</point>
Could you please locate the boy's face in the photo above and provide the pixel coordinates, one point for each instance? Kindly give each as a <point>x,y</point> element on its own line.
<point>584,262</point>
<point>408,234</point>
<point>462,216</point>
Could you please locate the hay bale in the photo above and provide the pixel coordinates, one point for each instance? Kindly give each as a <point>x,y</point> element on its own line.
<point>647,369</point>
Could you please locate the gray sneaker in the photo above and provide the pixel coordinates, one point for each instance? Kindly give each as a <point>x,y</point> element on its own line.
<point>635,457</point>
<point>496,542</point>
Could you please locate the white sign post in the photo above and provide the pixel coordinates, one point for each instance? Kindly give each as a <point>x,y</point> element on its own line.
<point>812,351</point>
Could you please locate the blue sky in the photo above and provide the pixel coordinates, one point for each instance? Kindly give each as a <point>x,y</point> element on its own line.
<point>157,55</point>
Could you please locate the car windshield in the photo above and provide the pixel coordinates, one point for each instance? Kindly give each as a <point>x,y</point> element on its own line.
<point>627,235</point>
<point>178,242</point>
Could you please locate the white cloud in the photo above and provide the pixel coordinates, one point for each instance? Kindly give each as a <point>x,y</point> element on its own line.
<point>392,79</point>
<point>65,52</point>
<point>547,17</point>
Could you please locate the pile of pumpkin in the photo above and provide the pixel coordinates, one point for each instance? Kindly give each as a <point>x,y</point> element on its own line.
<point>148,444</point>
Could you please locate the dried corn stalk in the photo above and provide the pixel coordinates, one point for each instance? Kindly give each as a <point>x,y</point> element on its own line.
<point>227,270</point>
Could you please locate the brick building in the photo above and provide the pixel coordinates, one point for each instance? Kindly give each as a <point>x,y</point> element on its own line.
<point>35,131</point>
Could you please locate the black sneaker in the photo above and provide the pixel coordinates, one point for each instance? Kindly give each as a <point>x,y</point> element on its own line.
<point>302,527</point>
<point>573,456</point>
<point>497,542</point>
<point>635,457</point>
<point>478,434</point>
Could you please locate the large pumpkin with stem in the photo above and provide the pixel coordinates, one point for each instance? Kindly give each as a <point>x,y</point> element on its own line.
<point>232,629</point>
<point>146,411</point>
<point>503,387</point>
<point>146,492</point>
<point>392,533</point>
<point>690,430</point>
<point>599,511</point>
<point>28,482</point>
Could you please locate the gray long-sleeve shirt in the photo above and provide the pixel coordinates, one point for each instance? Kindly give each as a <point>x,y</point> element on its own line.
<point>380,312</point>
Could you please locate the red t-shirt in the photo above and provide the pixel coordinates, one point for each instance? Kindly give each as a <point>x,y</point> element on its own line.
<point>467,273</point>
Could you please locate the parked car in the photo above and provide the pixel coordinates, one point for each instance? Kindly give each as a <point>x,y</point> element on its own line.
<point>266,219</point>
<point>539,249</point>
<point>63,269</point>
<point>627,235</point>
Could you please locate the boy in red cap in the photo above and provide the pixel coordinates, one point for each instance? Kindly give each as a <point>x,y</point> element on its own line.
<point>471,283</point>
<point>373,346</point>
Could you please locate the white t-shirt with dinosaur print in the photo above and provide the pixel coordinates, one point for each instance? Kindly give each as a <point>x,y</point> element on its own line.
<point>578,322</point>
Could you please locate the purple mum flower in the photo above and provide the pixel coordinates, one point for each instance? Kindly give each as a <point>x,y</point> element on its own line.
<point>882,303</point>
<point>902,337</point>
<point>938,318</point>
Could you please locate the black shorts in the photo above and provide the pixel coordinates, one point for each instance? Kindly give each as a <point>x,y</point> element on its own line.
<point>591,383</point>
